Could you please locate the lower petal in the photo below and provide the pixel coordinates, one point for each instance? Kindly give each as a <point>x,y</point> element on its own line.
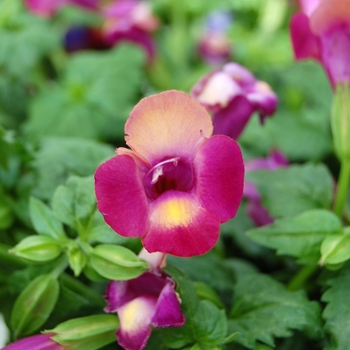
<point>168,312</point>
<point>180,226</point>
<point>135,319</point>
<point>231,121</point>
<point>220,176</point>
<point>121,197</point>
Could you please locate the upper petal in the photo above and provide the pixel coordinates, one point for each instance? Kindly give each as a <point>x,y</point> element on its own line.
<point>121,197</point>
<point>329,12</point>
<point>168,124</point>
<point>308,6</point>
<point>220,175</point>
<point>305,43</point>
<point>180,226</point>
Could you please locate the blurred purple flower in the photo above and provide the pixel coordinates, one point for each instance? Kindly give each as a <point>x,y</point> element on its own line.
<point>322,32</point>
<point>233,94</point>
<point>214,46</point>
<point>47,8</point>
<point>258,214</point>
<point>130,20</point>
<point>36,342</point>
<point>148,300</point>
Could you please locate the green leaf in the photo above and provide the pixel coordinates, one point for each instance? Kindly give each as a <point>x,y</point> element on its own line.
<point>86,333</point>
<point>34,305</point>
<point>75,201</point>
<point>92,93</point>
<point>264,309</point>
<point>116,262</point>
<point>292,190</point>
<point>337,311</point>
<point>300,236</point>
<point>44,220</point>
<point>59,158</point>
<point>336,249</point>
<point>38,248</point>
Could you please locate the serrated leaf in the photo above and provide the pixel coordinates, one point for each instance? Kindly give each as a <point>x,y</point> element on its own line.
<point>75,201</point>
<point>44,220</point>
<point>300,236</point>
<point>292,190</point>
<point>59,158</point>
<point>264,309</point>
<point>34,305</point>
<point>337,310</point>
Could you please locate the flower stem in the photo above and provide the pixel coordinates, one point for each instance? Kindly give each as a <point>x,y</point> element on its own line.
<point>342,189</point>
<point>299,279</point>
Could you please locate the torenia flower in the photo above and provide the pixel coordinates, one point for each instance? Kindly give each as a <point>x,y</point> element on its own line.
<point>148,300</point>
<point>233,94</point>
<point>130,20</point>
<point>47,8</point>
<point>176,184</point>
<point>35,342</point>
<point>322,32</point>
<point>214,46</point>
<point>256,211</point>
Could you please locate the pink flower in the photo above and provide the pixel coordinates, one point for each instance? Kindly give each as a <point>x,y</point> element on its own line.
<point>214,46</point>
<point>47,8</point>
<point>322,32</point>
<point>130,20</point>
<point>233,94</point>
<point>176,184</point>
<point>148,300</point>
<point>258,214</point>
<point>35,342</point>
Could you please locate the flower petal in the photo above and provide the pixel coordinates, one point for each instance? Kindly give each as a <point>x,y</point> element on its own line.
<point>168,312</point>
<point>135,318</point>
<point>220,176</point>
<point>329,12</point>
<point>180,226</point>
<point>305,43</point>
<point>121,197</point>
<point>168,124</point>
<point>37,342</point>
<point>231,121</point>
<point>308,6</point>
<point>336,53</point>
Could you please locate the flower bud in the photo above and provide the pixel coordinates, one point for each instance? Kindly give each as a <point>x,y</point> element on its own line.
<point>37,248</point>
<point>116,262</point>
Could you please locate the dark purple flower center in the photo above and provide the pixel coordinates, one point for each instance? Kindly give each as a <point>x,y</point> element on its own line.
<point>169,174</point>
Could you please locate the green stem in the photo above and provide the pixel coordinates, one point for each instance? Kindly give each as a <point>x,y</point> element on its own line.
<point>343,183</point>
<point>299,279</point>
<point>60,267</point>
<point>82,289</point>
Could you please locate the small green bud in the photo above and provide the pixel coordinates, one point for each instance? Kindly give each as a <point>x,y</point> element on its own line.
<point>116,262</point>
<point>91,332</point>
<point>76,257</point>
<point>340,121</point>
<point>38,248</point>
<point>34,305</point>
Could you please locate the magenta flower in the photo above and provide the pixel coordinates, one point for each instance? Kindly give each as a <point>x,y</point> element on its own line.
<point>256,211</point>
<point>233,94</point>
<point>214,46</point>
<point>322,32</point>
<point>148,300</point>
<point>176,184</point>
<point>47,8</point>
<point>35,342</point>
<point>130,20</point>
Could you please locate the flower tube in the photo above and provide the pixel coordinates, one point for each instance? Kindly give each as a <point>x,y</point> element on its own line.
<point>36,342</point>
